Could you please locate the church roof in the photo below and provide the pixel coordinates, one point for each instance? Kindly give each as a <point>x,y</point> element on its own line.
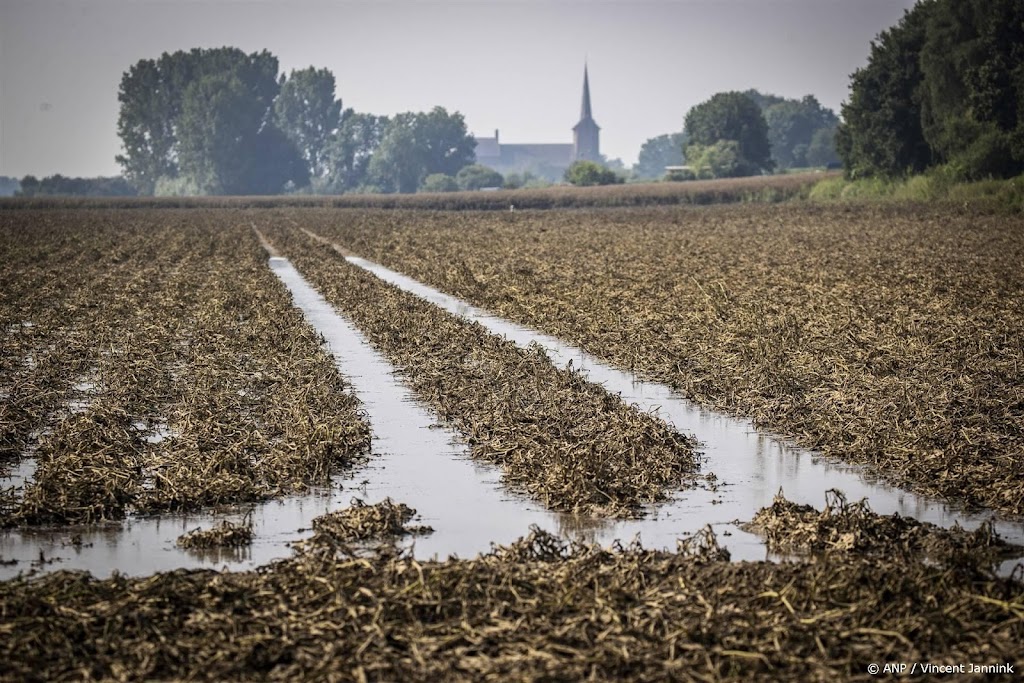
<point>487,148</point>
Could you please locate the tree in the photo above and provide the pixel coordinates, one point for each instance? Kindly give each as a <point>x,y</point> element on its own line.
<point>8,185</point>
<point>145,124</point>
<point>475,176</point>
<point>659,152</point>
<point>763,100</point>
<point>881,132</point>
<point>720,160</point>
<point>583,173</point>
<point>943,86</point>
<point>731,116</point>
<point>154,95</point>
<point>218,125</point>
<point>274,164</point>
<point>414,145</point>
<point>398,164</point>
<point>822,150</point>
<point>350,149</point>
<point>59,185</point>
<point>446,144</point>
<point>306,111</point>
<point>972,92</point>
<point>439,182</point>
<point>791,127</point>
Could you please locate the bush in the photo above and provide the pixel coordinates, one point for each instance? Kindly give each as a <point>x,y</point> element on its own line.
<point>584,173</point>
<point>439,182</point>
<point>182,186</point>
<point>475,177</point>
<point>680,175</point>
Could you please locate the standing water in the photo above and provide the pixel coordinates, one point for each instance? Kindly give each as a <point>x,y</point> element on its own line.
<point>751,467</point>
<point>424,465</point>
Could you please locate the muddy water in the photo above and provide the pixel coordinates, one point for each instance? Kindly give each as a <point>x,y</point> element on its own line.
<point>751,466</point>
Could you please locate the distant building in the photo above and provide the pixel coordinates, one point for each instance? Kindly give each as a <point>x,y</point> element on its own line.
<point>543,159</point>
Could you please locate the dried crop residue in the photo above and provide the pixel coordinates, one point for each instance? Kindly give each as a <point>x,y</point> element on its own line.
<point>537,609</point>
<point>382,521</point>
<point>227,534</point>
<point>566,441</point>
<point>891,336</point>
<point>755,188</point>
<point>845,527</point>
<point>176,321</point>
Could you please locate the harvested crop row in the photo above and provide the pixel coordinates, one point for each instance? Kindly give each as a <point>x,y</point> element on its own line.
<point>892,336</point>
<point>205,386</point>
<point>49,288</point>
<point>535,610</point>
<point>845,527</point>
<point>565,441</point>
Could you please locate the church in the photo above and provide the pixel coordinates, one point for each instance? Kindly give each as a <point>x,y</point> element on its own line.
<point>545,160</point>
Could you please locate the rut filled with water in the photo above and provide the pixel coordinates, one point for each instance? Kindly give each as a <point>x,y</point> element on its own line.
<point>423,464</point>
<point>752,467</point>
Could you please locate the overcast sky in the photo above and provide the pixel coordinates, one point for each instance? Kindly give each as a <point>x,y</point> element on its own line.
<point>514,65</point>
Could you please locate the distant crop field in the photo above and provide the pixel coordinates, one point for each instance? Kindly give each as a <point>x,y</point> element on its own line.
<point>891,336</point>
<point>751,189</point>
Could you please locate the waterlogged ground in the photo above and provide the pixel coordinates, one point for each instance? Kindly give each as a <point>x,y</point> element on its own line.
<point>890,336</point>
<point>466,440</point>
<point>422,463</point>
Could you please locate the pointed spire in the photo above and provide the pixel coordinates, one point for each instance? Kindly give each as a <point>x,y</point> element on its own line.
<point>585,108</point>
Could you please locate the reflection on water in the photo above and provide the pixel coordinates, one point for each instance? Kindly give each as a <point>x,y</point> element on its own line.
<point>415,461</point>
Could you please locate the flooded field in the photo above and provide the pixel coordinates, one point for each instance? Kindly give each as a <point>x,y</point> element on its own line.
<point>272,396</point>
<point>886,336</point>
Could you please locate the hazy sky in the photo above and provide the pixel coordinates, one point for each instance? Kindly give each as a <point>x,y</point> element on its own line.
<point>512,65</point>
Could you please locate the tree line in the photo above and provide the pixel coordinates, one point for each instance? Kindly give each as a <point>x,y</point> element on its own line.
<point>219,121</point>
<point>942,88</point>
<point>744,133</point>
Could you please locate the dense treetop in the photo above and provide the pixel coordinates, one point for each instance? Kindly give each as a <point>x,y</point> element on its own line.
<point>800,131</point>
<point>220,121</point>
<point>945,86</point>
<point>728,137</point>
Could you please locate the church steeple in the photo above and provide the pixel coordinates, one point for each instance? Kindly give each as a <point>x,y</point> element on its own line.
<point>586,133</point>
<point>585,107</point>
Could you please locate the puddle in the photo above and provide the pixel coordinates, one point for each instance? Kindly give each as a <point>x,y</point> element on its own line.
<point>154,432</point>
<point>415,461</point>
<point>83,392</point>
<point>751,466</point>
<point>16,475</point>
<point>144,545</point>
